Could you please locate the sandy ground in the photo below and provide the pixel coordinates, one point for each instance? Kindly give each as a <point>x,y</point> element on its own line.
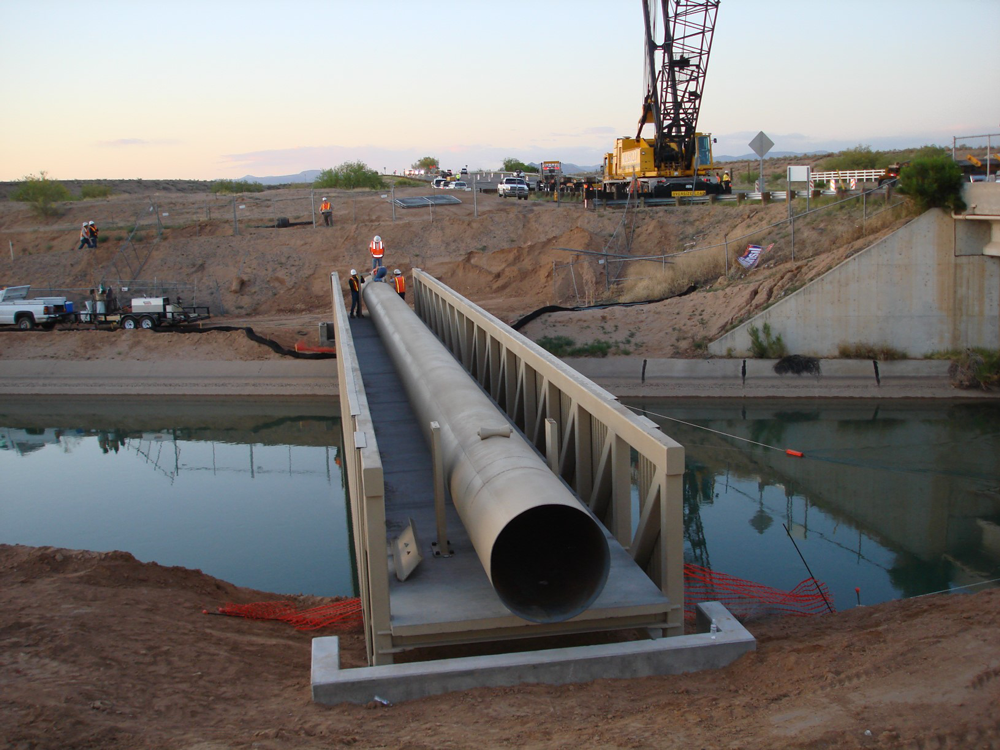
<point>102,651</point>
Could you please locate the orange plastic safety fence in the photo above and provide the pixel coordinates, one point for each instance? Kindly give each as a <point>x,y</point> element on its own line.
<point>343,615</point>
<point>747,600</point>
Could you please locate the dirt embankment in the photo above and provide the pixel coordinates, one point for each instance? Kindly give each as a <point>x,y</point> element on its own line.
<point>98,650</point>
<point>513,258</point>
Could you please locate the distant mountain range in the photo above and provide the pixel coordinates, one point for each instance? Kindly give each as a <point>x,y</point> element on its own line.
<point>568,168</point>
<point>308,176</point>
<point>771,155</point>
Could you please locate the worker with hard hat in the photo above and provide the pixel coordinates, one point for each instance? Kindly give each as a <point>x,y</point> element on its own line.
<point>92,230</point>
<point>354,283</point>
<point>727,183</point>
<point>84,237</point>
<point>399,282</point>
<point>377,250</point>
<point>327,210</point>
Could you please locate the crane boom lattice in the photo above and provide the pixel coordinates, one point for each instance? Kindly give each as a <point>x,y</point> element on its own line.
<point>678,44</point>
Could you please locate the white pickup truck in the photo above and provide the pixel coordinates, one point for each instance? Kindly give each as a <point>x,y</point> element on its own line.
<point>515,186</point>
<point>16,309</point>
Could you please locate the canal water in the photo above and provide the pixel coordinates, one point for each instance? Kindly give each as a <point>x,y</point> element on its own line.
<point>894,498</point>
<point>248,492</point>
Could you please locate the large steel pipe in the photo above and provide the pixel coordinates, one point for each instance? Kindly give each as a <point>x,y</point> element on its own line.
<point>545,555</point>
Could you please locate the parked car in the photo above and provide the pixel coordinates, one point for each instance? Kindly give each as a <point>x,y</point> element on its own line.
<point>458,185</point>
<point>439,182</point>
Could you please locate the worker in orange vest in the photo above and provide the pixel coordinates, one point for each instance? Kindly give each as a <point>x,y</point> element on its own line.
<point>92,230</point>
<point>377,250</point>
<point>327,210</point>
<point>400,283</point>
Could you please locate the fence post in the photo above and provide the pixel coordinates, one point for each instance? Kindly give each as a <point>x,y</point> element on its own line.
<point>236,224</point>
<point>312,201</point>
<point>392,200</point>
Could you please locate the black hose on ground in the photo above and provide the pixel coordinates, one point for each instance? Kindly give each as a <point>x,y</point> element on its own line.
<point>256,338</point>
<point>518,324</point>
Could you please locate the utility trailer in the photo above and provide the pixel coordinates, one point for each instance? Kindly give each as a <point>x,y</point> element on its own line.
<point>143,312</point>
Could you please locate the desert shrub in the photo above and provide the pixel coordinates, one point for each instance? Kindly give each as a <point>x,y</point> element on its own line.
<point>564,346</point>
<point>764,345</point>
<point>863,350</point>
<point>348,176</point>
<point>236,186</point>
<point>95,191</point>
<point>42,193</point>
<point>406,182</point>
<point>933,182</point>
<point>976,368</point>
<point>677,276</point>
<point>859,157</point>
<point>797,365</point>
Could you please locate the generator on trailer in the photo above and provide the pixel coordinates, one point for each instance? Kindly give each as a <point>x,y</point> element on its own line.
<point>677,160</point>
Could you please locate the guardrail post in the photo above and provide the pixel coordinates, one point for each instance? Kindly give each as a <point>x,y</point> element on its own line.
<point>765,197</point>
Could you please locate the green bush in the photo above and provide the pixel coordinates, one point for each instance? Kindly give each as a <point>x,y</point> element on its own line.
<point>350,175</point>
<point>236,186</point>
<point>42,193</point>
<point>513,165</point>
<point>95,191</point>
<point>406,182</point>
<point>765,346</point>
<point>933,182</point>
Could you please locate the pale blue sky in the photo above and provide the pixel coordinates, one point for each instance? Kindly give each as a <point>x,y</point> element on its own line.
<point>219,89</point>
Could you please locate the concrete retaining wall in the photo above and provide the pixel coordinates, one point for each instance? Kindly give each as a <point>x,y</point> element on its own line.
<point>927,287</point>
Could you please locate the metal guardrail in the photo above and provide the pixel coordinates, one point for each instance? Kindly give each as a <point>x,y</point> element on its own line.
<point>366,486</point>
<point>587,437</point>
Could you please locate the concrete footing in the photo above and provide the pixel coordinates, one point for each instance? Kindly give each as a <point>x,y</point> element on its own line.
<point>402,682</point>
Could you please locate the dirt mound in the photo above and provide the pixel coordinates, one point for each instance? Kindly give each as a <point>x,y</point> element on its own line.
<point>102,650</point>
<point>510,257</point>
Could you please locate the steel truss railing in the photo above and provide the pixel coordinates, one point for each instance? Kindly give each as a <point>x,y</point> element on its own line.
<point>606,454</point>
<point>366,488</point>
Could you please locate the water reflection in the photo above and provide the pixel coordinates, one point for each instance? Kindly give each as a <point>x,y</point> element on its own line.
<point>898,499</point>
<point>251,493</point>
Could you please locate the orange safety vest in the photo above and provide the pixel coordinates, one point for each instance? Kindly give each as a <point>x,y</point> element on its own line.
<point>377,249</point>
<point>400,284</point>
<point>324,206</point>
<point>355,284</point>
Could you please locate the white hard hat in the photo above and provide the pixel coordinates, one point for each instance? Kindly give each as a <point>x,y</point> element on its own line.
<point>90,222</point>
<point>396,272</point>
<point>84,223</point>
<point>354,272</point>
<point>377,238</point>
<point>324,197</point>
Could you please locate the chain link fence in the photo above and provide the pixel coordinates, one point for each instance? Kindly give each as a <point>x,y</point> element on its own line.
<point>816,221</point>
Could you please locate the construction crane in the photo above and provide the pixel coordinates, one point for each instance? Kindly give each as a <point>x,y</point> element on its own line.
<point>678,41</point>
